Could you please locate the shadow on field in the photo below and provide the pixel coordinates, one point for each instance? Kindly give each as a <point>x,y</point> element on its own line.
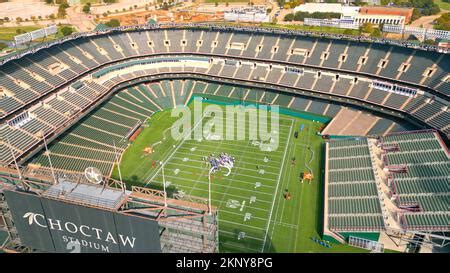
<point>321,191</point>
<point>135,181</point>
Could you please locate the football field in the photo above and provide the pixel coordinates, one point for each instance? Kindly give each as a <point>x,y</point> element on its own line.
<point>254,215</point>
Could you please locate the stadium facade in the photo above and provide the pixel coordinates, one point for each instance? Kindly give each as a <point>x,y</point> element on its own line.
<point>51,89</point>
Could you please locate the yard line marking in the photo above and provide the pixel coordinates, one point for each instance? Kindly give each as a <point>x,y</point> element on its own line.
<point>208,151</point>
<point>244,157</point>
<point>199,161</point>
<point>205,169</point>
<point>206,183</point>
<point>235,223</point>
<point>229,194</point>
<point>239,214</point>
<point>243,151</point>
<point>246,175</point>
<point>286,225</point>
<point>177,147</point>
<point>276,189</point>
<point>246,236</point>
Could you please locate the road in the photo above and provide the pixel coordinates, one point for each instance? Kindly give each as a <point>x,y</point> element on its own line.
<point>80,20</point>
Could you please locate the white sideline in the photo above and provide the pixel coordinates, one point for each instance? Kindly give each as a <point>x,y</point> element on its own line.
<point>276,189</point>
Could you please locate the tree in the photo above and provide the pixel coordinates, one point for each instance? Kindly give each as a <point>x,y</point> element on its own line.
<point>366,28</point>
<point>87,8</point>
<point>216,3</point>
<point>66,30</point>
<point>113,23</point>
<point>49,2</point>
<point>289,17</point>
<point>20,31</point>
<point>443,22</point>
<point>415,15</point>
<point>62,9</point>
<point>376,33</point>
<point>19,19</point>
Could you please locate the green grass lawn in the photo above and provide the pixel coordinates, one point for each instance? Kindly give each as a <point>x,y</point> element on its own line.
<point>443,5</point>
<point>250,200</point>
<point>8,33</point>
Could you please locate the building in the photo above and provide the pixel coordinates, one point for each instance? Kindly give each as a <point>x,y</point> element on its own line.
<point>380,19</point>
<point>324,7</point>
<point>254,14</point>
<point>373,12</point>
<point>361,15</point>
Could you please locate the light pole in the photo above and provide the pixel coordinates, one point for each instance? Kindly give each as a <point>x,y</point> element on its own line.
<point>209,190</point>
<point>50,161</point>
<point>164,184</point>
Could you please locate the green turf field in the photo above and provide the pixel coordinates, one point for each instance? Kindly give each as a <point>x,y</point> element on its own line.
<point>253,214</point>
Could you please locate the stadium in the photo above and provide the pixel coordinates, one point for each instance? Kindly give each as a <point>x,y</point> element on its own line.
<point>362,163</point>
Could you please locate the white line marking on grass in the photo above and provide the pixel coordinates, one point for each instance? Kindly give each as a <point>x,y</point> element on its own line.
<point>196,167</point>
<point>288,177</point>
<point>235,223</point>
<point>246,175</point>
<point>276,189</point>
<point>302,187</point>
<point>286,225</point>
<point>175,150</point>
<point>286,180</point>
<point>243,151</point>
<point>240,214</point>
<point>246,236</point>
<point>239,246</point>
<point>240,159</point>
<point>228,194</point>
<point>238,150</point>
<point>201,182</point>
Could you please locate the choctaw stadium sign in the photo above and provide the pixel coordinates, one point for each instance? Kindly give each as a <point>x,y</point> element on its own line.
<point>55,226</point>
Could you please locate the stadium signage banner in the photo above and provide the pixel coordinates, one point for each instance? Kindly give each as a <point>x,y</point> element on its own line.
<point>55,226</point>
